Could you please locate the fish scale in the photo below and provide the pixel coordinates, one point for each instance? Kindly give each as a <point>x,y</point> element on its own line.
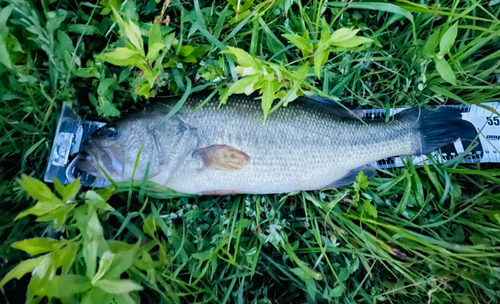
<point>293,149</point>
<point>220,149</point>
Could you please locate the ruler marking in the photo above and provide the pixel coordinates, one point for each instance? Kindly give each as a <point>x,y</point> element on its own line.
<point>472,113</point>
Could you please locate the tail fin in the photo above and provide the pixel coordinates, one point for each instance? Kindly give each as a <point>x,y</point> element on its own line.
<point>438,127</point>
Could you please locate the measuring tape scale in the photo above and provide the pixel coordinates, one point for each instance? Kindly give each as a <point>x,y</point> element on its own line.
<point>487,131</point>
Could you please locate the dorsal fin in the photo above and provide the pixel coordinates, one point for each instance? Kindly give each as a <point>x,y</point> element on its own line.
<point>327,105</point>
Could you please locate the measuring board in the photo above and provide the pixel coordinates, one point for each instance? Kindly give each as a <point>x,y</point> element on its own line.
<point>72,131</point>
<point>487,131</point>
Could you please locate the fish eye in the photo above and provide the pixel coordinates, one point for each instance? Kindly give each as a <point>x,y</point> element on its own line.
<point>112,133</point>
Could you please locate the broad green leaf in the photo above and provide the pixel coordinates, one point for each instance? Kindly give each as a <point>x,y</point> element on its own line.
<point>244,85</point>
<point>290,95</point>
<point>200,50</point>
<point>361,180</point>
<point>37,190</point>
<point>97,296</point>
<point>447,40</point>
<point>122,57</point>
<point>340,35</point>
<point>65,41</point>
<point>267,97</point>
<point>93,100</point>
<point>118,286</point>
<point>103,88</point>
<point>144,90</point>
<point>13,44</point>
<point>21,269</point>
<point>107,109</point>
<point>5,14</point>
<point>303,275</point>
<point>64,286</point>
<point>353,42</point>
<point>155,35</point>
<point>243,58</point>
<point>83,29</point>
<point>190,59</point>
<point>432,43</point>
<point>123,76</point>
<point>104,265</point>
<point>320,57</point>
<point>96,201</point>
<point>69,192</point>
<point>87,72</point>
<point>38,245</point>
<point>193,214</point>
<point>43,272</point>
<point>306,35</point>
<point>150,76</point>
<point>66,256</point>
<point>54,20</point>
<point>304,45</point>
<point>444,69</point>
<point>133,33</point>
<point>325,33</point>
<point>170,40</point>
<point>40,209</point>
<point>58,186</point>
<point>89,253</point>
<point>51,216</point>
<point>117,247</point>
<point>311,288</point>
<point>337,291</point>
<point>4,53</point>
<point>246,71</point>
<point>130,30</point>
<point>61,215</point>
<point>301,73</point>
<point>94,228</point>
<point>343,274</point>
<point>369,209</point>
<point>122,261</point>
<point>144,261</point>
<point>149,226</point>
<point>276,69</point>
<point>106,193</point>
<point>186,50</point>
<point>124,298</point>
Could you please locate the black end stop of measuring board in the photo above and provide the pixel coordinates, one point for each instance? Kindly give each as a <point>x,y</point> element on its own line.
<point>70,133</point>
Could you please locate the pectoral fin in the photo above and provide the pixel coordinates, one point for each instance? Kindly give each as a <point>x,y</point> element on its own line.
<point>223,157</point>
<point>350,177</point>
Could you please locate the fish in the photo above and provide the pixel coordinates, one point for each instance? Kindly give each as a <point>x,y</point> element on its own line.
<point>228,149</point>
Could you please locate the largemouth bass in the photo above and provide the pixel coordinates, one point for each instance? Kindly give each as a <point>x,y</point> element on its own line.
<point>226,149</point>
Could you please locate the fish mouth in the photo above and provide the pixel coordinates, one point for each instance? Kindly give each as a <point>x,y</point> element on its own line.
<point>86,164</point>
<point>94,158</point>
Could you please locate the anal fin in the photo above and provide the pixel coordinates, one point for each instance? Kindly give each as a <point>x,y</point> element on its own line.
<point>220,192</point>
<point>350,177</point>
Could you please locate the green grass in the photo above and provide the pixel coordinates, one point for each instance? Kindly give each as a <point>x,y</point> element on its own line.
<point>410,235</point>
